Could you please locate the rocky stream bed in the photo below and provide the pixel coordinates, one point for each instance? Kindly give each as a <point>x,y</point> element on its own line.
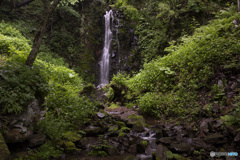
<point>123,134</point>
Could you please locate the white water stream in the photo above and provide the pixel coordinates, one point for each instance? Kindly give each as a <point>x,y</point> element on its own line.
<point>104,63</point>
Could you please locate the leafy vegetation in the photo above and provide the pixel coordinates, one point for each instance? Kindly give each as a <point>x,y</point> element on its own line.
<point>54,82</point>
<point>169,85</point>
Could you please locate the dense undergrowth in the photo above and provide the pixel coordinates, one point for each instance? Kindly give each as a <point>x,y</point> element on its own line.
<point>158,22</point>
<point>49,79</point>
<point>172,86</point>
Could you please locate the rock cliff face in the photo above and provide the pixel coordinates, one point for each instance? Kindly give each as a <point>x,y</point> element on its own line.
<point>18,128</point>
<point>123,47</point>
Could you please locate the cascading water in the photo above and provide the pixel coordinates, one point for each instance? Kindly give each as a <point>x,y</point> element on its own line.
<point>104,63</point>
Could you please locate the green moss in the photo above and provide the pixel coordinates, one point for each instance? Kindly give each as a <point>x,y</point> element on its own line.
<point>121,124</point>
<point>171,155</point>
<point>72,136</point>
<point>144,143</point>
<point>125,129</point>
<point>134,117</point>
<point>4,152</point>
<point>70,147</point>
<point>113,106</point>
<point>113,128</point>
<point>121,134</point>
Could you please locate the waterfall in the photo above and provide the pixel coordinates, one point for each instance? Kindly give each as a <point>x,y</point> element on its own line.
<point>104,63</point>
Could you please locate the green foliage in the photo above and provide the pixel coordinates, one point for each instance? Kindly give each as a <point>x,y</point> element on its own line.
<point>48,151</point>
<point>53,128</point>
<point>45,152</point>
<point>233,118</point>
<point>99,150</point>
<point>169,84</point>
<point>19,84</point>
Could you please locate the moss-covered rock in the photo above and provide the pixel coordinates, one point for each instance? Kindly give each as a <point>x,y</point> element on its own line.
<point>121,124</point>
<point>72,136</point>
<point>113,128</point>
<point>4,152</point>
<point>137,122</point>
<point>70,147</point>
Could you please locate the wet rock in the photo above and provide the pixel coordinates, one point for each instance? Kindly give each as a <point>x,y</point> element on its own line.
<point>180,148</point>
<point>132,149</point>
<point>237,137</point>
<point>112,151</point>
<point>100,115</point>
<point>165,140</point>
<point>36,140</point>
<point>93,131</point>
<point>160,153</point>
<point>4,152</point>
<point>215,139</point>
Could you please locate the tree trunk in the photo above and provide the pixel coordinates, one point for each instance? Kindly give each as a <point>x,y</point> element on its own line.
<point>38,38</point>
<point>23,3</point>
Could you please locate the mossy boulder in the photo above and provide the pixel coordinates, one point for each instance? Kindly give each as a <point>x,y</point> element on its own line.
<point>142,146</point>
<point>113,128</point>
<point>4,152</point>
<point>112,151</point>
<point>70,147</point>
<point>120,124</point>
<point>137,122</point>
<point>72,136</point>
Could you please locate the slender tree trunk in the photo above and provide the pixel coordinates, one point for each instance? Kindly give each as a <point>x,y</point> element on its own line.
<point>38,38</point>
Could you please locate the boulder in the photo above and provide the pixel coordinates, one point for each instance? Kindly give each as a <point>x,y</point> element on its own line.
<point>141,147</point>
<point>160,153</point>
<point>20,127</point>
<point>215,139</point>
<point>112,151</point>
<point>180,148</point>
<point>165,140</point>
<point>132,149</point>
<point>93,131</point>
<point>4,152</point>
<point>36,140</point>
<point>137,122</point>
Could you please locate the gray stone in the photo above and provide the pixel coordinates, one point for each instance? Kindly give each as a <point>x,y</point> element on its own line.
<point>215,139</point>
<point>160,153</point>
<point>100,115</point>
<point>181,148</point>
<point>93,130</point>
<point>237,137</point>
<point>20,127</point>
<point>165,140</point>
<point>36,139</point>
<point>132,149</point>
<point>112,151</point>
